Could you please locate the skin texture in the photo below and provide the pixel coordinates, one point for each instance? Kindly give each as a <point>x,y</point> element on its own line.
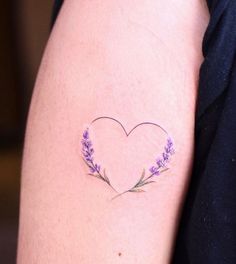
<point>132,60</point>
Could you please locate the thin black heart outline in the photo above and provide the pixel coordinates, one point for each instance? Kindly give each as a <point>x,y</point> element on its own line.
<point>87,152</point>
<point>128,133</point>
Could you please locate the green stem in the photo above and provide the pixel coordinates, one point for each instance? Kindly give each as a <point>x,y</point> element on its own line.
<point>101,177</point>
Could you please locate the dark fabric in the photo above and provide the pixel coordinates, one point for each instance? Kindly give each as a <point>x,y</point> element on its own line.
<point>56,8</point>
<point>207,231</point>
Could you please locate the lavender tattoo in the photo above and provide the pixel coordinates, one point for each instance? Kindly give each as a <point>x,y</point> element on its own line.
<point>160,166</point>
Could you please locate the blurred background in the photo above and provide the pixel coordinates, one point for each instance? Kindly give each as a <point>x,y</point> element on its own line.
<point>24,27</point>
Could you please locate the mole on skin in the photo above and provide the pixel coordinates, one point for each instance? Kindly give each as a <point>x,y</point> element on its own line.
<point>119,254</point>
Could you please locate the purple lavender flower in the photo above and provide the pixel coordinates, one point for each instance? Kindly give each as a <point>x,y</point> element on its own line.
<point>97,167</point>
<point>162,161</point>
<point>87,151</point>
<point>86,134</point>
<point>92,170</point>
<point>169,149</point>
<point>154,170</point>
<point>166,157</point>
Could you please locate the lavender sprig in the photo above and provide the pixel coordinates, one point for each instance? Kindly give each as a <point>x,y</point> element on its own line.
<point>160,167</point>
<point>88,151</point>
<point>162,162</point>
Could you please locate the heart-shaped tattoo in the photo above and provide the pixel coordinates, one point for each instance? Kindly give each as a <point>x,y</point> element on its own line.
<point>96,170</point>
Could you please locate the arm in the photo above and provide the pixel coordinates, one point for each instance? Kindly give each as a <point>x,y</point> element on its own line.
<point>133,62</point>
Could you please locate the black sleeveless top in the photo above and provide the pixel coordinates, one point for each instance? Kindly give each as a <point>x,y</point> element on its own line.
<point>207,231</point>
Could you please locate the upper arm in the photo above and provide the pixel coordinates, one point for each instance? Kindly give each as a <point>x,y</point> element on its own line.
<point>132,63</point>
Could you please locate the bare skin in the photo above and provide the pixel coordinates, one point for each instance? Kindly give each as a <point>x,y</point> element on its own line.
<point>135,61</point>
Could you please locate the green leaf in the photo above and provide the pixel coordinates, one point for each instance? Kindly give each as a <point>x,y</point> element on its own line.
<point>95,175</point>
<point>136,190</point>
<point>140,180</point>
<point>144,183</point>
<point>105,177</point>
<point>142,176</point>
<point>164,170</point>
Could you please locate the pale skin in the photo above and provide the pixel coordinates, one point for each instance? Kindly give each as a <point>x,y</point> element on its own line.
<point>133,60</point>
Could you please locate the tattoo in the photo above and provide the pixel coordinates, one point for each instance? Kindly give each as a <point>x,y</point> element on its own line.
<point>160,166</point>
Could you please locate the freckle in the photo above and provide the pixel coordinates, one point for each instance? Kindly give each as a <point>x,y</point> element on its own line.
<point>119,254</point>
